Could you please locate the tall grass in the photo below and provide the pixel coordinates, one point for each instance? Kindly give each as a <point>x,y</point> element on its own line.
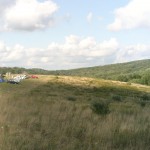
<point>37,115</point>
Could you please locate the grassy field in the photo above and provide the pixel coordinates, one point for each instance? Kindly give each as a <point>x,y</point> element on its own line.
<point>74,113</point>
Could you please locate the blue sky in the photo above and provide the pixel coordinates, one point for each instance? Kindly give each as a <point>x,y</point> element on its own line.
<point>64,34</point>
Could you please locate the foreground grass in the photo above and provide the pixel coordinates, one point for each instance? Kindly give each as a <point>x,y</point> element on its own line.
<point>55,112</point>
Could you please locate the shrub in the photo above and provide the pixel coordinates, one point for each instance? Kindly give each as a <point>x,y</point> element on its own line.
<point>145,97</point>
<point>71,98</point>
<point>116,98</point>
<point>100,107</point>
<point>143,104</point>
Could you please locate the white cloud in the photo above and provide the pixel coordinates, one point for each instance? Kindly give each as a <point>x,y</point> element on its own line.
<point>12,54</point>
<point>89,17</point>
<point>73,53</point>
<point>133,52</point>
<point>4,4</point>
<point>89,47</point>
<point>134,15</point>
<point>2,47</point>
<point>28,15</point>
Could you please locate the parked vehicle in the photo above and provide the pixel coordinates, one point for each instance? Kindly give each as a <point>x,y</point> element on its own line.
<point>2,80</point>
<point>13,82</point>
<point>16,79</point>
<point>34,77</point>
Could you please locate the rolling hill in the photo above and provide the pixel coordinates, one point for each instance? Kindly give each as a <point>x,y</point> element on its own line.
<point>135,71</point>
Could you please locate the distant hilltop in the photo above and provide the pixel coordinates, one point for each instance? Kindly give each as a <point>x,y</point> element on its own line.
<point>135,71</point>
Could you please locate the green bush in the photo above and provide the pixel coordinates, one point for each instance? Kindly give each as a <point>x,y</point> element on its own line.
<point>142,103</point>
<point>71,98</point>
<point>145,97</point>
<point>116,98</point>
<point>100,107</point>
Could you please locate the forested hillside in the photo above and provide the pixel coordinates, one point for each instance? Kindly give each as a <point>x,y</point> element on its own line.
<point>136,71</point>
<point>17,70</point>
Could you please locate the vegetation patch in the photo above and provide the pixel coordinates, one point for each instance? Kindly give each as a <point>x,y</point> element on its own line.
<point>145,97</point>
<point>100,107</point>
<point>117,98</point>
<point>74,113</point>
<point>71,98</point>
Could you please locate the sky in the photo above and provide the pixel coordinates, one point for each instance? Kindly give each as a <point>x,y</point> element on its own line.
<point>67,34</point>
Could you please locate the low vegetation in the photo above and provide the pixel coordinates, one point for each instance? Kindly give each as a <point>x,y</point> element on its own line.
<point>131,72</point>
<point>134,72</point>
<point>100,107</point>
<point>73,113</point>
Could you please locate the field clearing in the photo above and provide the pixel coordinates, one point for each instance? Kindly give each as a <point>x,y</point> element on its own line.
<point>55,112</point>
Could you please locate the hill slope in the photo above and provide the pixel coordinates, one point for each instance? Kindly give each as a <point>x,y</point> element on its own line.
<point>136,71</point>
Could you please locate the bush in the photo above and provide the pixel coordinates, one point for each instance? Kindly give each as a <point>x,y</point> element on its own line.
<point>71,98</point>
<point>100,107</point>
<point>142,104</point>
<point>116,98</point>
<point>145,97</point>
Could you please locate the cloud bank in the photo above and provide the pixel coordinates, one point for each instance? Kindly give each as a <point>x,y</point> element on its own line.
<point>27,15</point>
<point>75,52</point>
<point>134,15</point>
